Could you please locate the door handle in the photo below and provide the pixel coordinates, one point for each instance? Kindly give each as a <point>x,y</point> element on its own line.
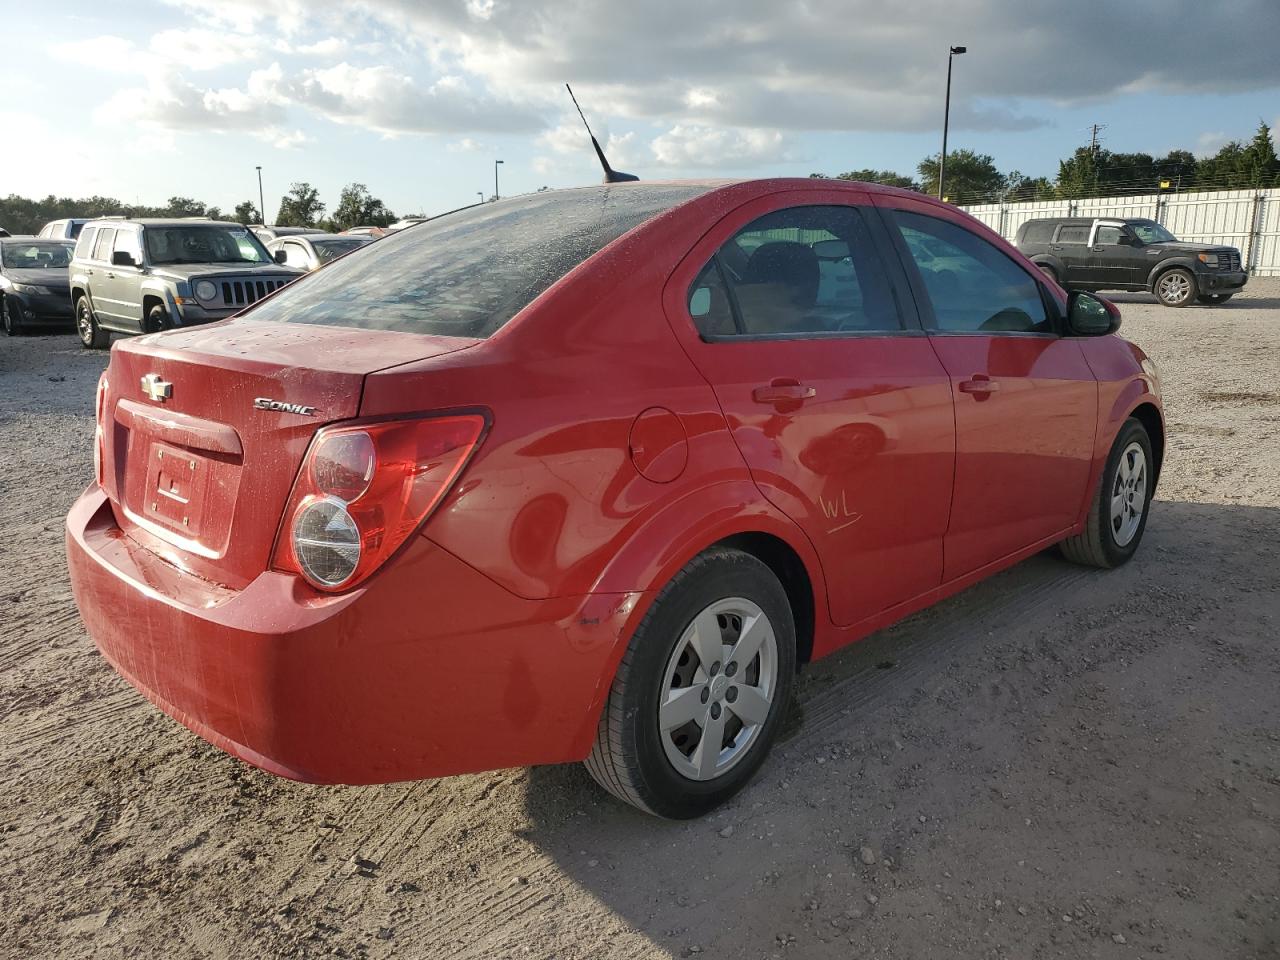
<point>781,390</point>
<point>111,276</point>
<point>980,385</point>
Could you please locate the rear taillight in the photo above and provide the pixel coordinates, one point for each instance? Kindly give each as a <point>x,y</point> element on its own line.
<point>364,489</point>
<point>99,430</point>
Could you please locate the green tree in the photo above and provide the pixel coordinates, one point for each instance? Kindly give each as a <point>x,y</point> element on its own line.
<point>184,207</point>
<point>358,208</point>
<point>887,177</point>
<point>1019,186</point>
<point>247,213</point>
<point>300,207</point>
<point>1259,164</point>
<point>971,177</point>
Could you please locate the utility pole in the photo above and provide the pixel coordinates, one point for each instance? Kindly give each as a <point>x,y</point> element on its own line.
<point>495,178</point>
<point>946,122</point>
<point>262,207</point>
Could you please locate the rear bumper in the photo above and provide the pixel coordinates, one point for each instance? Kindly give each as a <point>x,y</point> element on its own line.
<point>430,670</point>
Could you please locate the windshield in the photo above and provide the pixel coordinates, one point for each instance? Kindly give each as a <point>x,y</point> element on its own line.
<point>35,256</point>
<point>204,244</point>
<point>328,250</point>
<point>467,273</point>
<point>1149,231</point>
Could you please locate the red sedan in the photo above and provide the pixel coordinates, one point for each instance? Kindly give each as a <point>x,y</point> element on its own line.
<point>587,475</point>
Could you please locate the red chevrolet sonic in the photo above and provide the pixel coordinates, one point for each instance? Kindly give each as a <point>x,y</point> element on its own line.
<point>587,474</point>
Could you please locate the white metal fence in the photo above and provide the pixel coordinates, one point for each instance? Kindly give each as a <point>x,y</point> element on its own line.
<point>1246,219</point>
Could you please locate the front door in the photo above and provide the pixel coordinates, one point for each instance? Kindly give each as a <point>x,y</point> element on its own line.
<point>1025,399</point>
<point>1114,262</point>
<point>835,398</point>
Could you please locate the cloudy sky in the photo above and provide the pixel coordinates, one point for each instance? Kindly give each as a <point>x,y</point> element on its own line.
<point>417,98</point>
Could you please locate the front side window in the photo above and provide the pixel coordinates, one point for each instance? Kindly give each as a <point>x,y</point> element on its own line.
<point>295,256</point>
<point>973,286</point>
<point>204,244</point>
<point>803,270</point>
<point>127,242</point>
<point>102,248</point>
<point>1106,235</point>
<point>1151,232</point>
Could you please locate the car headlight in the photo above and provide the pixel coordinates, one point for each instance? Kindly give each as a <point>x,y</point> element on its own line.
<point>1208,259</point>
<point>32,289</point>
<point>206,290</point>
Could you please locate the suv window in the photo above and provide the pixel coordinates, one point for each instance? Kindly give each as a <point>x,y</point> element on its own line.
<point>204,244</point>
<point>296,256</point>
<point>1073,233</point>
<point>102,249</point>
<point>84,246</point>
<point>798,271</point>
<point>467,273</point>
<point>1039,232</point>
<point>127,242</point>
<point>1107,235</point>
<point>974,287</point>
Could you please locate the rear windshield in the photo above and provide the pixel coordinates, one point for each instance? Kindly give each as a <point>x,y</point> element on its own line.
<point>467,273</point>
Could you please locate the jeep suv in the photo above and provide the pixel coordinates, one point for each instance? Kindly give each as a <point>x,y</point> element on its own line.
<point>1133,254</point>
<point>141,276</point>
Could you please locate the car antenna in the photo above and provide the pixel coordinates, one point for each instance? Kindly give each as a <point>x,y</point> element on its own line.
<point>610,175</point>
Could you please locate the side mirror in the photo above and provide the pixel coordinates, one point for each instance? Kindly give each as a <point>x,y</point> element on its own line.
<point>123,258</point>
<point>1089,315</point>
<point>281,256</point>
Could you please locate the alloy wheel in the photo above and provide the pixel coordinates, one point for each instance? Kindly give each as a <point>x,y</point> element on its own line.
<point>84,322</point>
<point>1175,287</point>
<point>1128,494</point>
<point>718,688</point>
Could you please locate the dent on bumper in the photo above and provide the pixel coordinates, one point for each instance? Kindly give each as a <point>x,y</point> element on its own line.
<point>430,670</point>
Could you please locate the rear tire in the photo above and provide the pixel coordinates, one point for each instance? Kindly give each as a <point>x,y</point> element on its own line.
<point>1213,299</point>
<point>1118,513</point>
<point>724,599</point>
<point>12,326</point>
<point>1176,287</point>
<point>91,335</point>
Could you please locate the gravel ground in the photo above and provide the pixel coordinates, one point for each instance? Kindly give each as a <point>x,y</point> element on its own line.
<point>1058,763</point>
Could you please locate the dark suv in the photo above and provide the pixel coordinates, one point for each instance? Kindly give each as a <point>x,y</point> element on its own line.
<point>141,276</point>
<point>1091,254</point>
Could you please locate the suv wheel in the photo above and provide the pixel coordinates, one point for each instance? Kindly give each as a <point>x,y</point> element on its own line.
<point>701,691</point>
<point>1176,287</point>
<point>91,335</point>
<point>1118,514</point>
<point>1213,299</point>
<point>158,319</point>
<point>12,326</point>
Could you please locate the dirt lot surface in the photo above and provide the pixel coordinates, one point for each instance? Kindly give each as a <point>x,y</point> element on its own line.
<point>1058,763</point>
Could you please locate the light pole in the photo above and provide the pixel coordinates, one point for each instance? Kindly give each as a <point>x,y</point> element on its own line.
<point>495,178</point>
<point>262,211</point>
<point>946,120</point>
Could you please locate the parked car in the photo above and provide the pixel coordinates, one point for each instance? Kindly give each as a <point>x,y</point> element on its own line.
<point>374,232</point>
<point>586,474</point>
<point>313,251</point>
<point>406,222</point>
<point>267,234</point>
<point>142,276</point>
<point>63,229</point>
<point>1133,254</point>
<point>34,290</point>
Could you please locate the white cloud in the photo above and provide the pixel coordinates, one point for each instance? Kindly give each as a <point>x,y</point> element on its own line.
<point>111,53</point>
<point>465,145</point>
<point>1208,144</point>
<point>687,146</point>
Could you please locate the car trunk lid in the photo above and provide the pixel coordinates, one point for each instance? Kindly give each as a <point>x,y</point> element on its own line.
<point>207,429</point>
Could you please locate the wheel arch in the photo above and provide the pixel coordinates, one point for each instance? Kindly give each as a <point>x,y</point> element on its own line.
<point>1149,416</point>
<point>1164,266</point>
<point>786,564</point>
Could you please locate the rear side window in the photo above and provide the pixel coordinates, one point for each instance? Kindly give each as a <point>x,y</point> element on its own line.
<point>803,270</point>
<point>973,287</point>
<point>1071,233</point>
<point>84,246</point>
<point>1038,232</point>
<point>102,248</point>
<point>469,272</point>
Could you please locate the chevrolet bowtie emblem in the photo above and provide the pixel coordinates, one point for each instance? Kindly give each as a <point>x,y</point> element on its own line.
<point>157,388</point>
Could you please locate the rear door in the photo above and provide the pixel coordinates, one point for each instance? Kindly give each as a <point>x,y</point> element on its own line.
<point>1071,246</point>
<point>838,404</point>
<point>1025,399</point>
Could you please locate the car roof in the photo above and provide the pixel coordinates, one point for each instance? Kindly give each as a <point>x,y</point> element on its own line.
<point>29,237</point>
<point>164,222</point>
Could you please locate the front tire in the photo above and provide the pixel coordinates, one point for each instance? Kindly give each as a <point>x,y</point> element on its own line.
<point>701,690</point>
<point>158,319</point>
<point>12,326</point>
<point>1176,287</point>
<point>1118,514</point>
<point>92,337</point>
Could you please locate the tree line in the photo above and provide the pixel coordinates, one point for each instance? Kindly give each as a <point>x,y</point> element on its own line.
<point>1093,172</point>
<point>300,207</point>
